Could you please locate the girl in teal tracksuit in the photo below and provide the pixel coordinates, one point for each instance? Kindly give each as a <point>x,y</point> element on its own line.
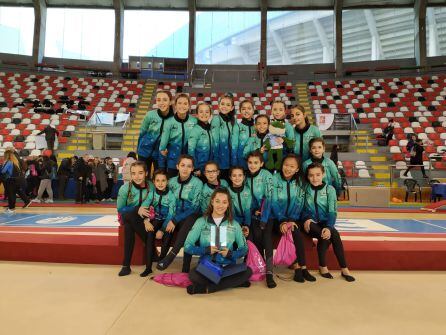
<point>212,175</point>
<point>202,145</point>
<point>176,133</point>
<point>226,128</point>
<point>218,221</point>
<point>163,203</point>
<point>287,206</point>
<point>303,132</point>
<point>260,183</point>
<point>187,191</point>
<point>151,129</point>
<point>241,198</point>
<point>133,201</point>
<point>317,150</point>
<point>256,142</point>
<point>246,130</point>
<point>319,219</point>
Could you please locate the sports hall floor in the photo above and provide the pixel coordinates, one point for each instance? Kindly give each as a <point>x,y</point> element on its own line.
<point>50,298</point>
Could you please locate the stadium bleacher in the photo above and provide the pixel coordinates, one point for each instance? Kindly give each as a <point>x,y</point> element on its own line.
<point>29,102</point>
<point>274,91</point>
<point>416,104</point>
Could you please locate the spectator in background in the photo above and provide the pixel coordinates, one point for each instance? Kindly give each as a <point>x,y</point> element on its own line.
<point>131,158</point>
<point>81,173</point>
<point>334,154</point>
<point>411,142</point>
<point>101,178</point>
<point>12,172</point>
<point>3,181</point>
<point>388,131</point>
<point>63,175</point>
<point>73,164</point>
<point>32,177</point>
<point>111,172</point>
<point>44,169</point>
<point>416,157</point>
<point>91,183</point>
<point>50,136</point>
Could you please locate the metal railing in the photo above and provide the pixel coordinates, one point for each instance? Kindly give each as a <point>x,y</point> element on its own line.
<point>194,75</point>
<point>354,179</point>
<point>108,119</point>
<point>397,175</point>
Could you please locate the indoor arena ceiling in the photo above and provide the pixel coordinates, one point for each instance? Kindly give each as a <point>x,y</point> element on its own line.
<point>221,4</point>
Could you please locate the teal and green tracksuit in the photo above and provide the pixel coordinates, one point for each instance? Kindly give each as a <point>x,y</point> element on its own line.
<point>174,138</point>
<point>241,204</point>
<point>131,196</point>
<point>203,144</point>
<point>207,191</point>
<point>246,130</point>
<point>164,204</point>
<point>261,186</point>
<point>288,199</point>
<point>201,233</point>
<point>152,127</point>
<point>187,194</point>
<point>302,139</point>
<point>255,143</point>
<point>332,176</point>
<point>320,205</point>
<point>227,130</point>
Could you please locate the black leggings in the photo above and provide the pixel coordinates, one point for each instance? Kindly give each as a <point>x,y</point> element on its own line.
<point>16,186</point>
<point>183,228</point>
<point>322,245</point>
<point>81,190</point>
<point>225,283</point>
<point>262,238</point>
<point>109,190</point>
<point>299,245</point>
<point>133,223</point>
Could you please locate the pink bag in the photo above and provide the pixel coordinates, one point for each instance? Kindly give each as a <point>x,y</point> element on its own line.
<point>286,251</point>
<point>93,179</point>
<point>33,170</point>
<point>176,279</point>
<point>255,261</point>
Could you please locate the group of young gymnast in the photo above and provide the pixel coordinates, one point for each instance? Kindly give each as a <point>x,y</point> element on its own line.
<point>247,180</point>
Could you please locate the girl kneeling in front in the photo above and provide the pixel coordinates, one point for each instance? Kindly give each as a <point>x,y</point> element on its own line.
<point>217,221</point>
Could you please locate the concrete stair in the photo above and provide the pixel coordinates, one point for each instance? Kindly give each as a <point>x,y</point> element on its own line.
<point>376,161</point>
<point>301,94</point>
<point>79,141</point>
<point>130,138</point>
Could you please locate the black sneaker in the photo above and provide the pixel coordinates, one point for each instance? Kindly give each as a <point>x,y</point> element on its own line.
<point>27,204</point>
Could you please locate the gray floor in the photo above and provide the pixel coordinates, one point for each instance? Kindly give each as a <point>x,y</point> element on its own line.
<point>42,298</point>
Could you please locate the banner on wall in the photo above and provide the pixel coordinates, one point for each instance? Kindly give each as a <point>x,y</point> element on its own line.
<point>324,121</point>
